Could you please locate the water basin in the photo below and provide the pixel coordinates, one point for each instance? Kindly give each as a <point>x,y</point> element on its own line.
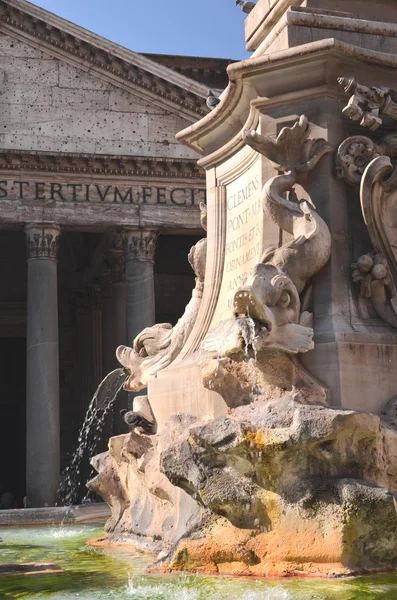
<point>91,574</point>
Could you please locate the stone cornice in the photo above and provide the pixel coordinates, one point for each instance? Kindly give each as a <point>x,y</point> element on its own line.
<point>107,165</point>
<point>109,61</point>
<point>275,74</point>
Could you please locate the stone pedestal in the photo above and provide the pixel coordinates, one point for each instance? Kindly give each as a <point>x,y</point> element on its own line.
<point>42,395</point>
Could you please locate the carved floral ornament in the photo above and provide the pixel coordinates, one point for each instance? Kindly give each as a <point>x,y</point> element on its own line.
<point>140,245</point>
<point>42,242</point>
<point>361,160</point>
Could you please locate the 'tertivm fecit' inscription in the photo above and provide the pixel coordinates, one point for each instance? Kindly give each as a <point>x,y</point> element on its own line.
<point>49,192</point>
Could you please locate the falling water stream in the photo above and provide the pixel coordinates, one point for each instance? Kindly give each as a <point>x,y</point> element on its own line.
<point>247,329</point>
<point>90,434</point>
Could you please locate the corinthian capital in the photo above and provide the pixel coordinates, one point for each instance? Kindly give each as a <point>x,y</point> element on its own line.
<point>140,244</point>
<point>42,241</point>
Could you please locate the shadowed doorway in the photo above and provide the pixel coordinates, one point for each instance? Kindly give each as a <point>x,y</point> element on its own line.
<point>13,416</point>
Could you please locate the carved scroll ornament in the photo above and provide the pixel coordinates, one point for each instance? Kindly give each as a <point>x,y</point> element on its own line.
<point>379,206</point>
<point>362,161</point>
<point>368,104</point>
<point>356,152</point>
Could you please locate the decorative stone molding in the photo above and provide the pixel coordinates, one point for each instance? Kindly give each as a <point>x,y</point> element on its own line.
<point>140,245</point>
<point>42,241</point>
<point>362,161</point>
<point>356,152</point>
<point>368,104</point>
<point>123,166</point>
<point>85,51</point>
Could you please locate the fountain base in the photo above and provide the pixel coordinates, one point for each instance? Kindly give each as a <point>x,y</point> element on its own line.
<point>272,489</point>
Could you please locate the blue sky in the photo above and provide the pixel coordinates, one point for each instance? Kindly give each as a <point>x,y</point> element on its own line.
<point>192,27</point>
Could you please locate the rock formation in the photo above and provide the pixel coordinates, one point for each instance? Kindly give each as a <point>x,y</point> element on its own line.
<point>274,488</point>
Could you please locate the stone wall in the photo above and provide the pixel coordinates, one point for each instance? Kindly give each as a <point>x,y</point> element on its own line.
<point>49,105</point>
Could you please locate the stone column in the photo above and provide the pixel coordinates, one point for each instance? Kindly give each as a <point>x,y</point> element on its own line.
<point>114,328</point>
<point>139,251</point>
<point>95,302</point>
<point>42,378</point>
<point>114,314</point>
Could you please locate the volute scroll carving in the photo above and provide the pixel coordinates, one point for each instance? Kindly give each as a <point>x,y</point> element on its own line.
<point>356,152</point>
<point>368,103</point>
<point>378,196</point>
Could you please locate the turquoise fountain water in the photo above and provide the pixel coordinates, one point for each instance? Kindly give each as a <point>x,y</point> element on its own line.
<point>93,574</point>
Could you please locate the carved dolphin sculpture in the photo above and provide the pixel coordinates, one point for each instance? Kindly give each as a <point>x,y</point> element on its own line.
<point>295,154</point>
<point>270,299</point>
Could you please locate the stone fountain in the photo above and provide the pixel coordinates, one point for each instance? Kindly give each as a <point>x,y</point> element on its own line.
<point>267,442</point>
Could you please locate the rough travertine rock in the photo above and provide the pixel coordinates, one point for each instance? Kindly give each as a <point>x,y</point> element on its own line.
<point>291,488</point>
<point>274,488</point>
<point>147,510</point>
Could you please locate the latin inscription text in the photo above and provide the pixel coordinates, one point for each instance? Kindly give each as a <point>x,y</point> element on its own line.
<point>40,191</point>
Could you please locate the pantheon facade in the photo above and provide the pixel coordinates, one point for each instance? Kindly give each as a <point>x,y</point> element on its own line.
<point>98,210</point>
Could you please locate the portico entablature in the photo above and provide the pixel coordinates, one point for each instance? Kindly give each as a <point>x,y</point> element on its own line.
<point>98,193</point>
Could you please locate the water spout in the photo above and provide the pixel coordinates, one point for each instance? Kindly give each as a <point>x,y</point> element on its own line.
<point>247,329</point>
<point>90,433</point>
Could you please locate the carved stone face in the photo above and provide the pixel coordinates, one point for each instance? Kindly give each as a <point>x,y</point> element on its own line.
<point>131,361</point>
<point>270,298</point>
<point>267,289</point>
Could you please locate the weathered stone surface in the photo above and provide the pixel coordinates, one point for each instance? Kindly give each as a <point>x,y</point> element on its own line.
<point>74,111</point>
<point>275,488</point>
<point>156,347</point>
<point>303,488</point>
<point>147,510</point>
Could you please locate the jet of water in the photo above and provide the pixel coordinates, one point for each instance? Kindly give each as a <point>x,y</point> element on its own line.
<point>90,434</point>
<point>247,328</point>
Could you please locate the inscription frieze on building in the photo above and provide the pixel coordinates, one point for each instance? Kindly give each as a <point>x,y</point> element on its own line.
<point>122,193</point>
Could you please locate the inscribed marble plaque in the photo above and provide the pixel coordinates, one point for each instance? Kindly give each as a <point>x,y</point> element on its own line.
<point>244,236</point>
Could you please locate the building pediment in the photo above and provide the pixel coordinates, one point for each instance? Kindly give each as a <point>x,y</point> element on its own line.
<point>112,63</point>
